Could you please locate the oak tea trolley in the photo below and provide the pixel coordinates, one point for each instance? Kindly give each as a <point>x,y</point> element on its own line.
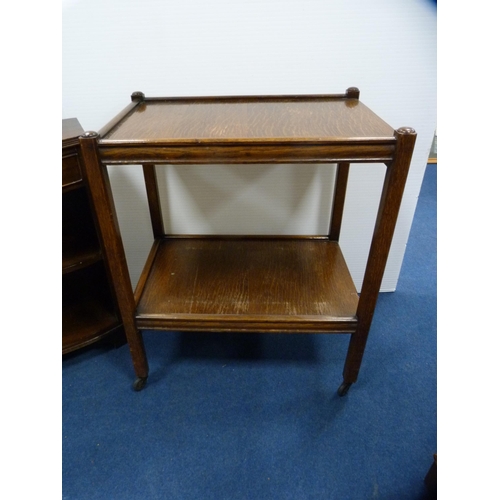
<point>215,283</point>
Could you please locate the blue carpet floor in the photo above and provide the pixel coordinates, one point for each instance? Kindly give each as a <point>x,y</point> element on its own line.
<point>257,416</point>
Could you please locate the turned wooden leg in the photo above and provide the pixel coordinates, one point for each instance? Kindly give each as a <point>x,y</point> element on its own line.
<point>385,224</point>
<point>97,179</point>
<point>138,354</point>
<point>353,360</point>
<point>354,357</point>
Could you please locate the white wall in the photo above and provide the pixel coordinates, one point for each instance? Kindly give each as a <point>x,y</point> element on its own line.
<point>387,48</point>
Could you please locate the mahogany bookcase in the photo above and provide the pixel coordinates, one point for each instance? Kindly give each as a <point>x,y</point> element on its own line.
<point>89,310</point>
<point>253,283</point>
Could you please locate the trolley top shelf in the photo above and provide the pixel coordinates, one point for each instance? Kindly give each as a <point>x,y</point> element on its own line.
<point>249,119</point>
<point>247,129</point>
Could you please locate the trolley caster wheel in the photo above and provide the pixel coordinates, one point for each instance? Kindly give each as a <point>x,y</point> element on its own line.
<point>344,388</point>
<point>139,383</point>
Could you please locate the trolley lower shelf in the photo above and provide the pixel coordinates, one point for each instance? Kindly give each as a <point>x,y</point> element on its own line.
<point>246,284</point>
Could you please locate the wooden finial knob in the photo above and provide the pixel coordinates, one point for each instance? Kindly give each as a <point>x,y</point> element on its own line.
<point>352,92</point>
<point>405,130</point>
<point>137,96</point>
<point>90,134</point>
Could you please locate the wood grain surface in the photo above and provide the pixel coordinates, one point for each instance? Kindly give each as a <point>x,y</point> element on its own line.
<point>246,284</point>
<point>303,118</point>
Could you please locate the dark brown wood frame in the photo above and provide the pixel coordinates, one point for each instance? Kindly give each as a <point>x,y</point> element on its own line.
<point>354,315</point>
